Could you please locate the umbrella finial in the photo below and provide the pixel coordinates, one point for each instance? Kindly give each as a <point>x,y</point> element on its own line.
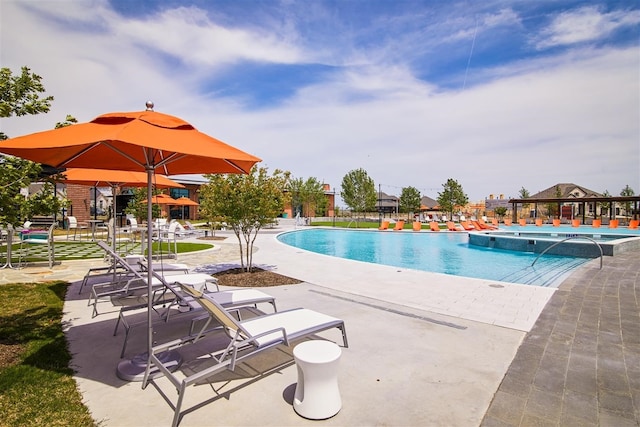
<point>149,105</point>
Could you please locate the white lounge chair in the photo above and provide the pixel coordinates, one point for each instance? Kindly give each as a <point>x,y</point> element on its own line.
<point>230,299</point>
<point>246,338</point>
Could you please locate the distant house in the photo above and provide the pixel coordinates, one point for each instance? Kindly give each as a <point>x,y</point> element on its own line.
<point>572,191</point>
<point>387,204</point>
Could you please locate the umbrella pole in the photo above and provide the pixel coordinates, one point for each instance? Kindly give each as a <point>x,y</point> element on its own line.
<point>149,262</point>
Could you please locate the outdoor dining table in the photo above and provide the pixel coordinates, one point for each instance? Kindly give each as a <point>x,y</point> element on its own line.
<point>94,224</point>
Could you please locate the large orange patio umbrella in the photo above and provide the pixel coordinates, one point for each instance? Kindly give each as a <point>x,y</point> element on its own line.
<point>135,141</point>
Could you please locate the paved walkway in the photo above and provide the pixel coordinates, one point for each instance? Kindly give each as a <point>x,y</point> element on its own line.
<point>580,363</point>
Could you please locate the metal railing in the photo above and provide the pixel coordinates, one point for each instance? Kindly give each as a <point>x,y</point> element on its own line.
<point>569,238</point>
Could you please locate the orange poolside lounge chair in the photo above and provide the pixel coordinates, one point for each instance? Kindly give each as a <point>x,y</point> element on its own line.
<point>633,224</point>
<point>384,225</point>
<point>522,222</point>
<point>434,226</point>
<point>575,223</point>
<point>494,222</point>
<point>467,226</point>
<point>399,225</point>
<point>539,222</point>
<point>485,226</point>
<point>451,226</point>
<point>613,223</point>
<point>596,223</point>
<point>417,226</point>
<point>556,223</point>
<point>508,222</point>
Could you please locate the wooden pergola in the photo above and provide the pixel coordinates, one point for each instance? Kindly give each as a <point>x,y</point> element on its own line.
<point>611,201</point>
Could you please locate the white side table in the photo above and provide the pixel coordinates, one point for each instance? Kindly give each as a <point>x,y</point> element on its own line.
<point>317,395</point>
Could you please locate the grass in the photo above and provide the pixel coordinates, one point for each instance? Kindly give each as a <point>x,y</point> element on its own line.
<point>89,250</point>
<point>36,383</point>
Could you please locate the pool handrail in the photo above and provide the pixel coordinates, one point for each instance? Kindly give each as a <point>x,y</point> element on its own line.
<point>569,238</point>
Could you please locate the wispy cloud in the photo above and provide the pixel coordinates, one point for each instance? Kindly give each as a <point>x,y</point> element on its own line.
<point>585,24</point>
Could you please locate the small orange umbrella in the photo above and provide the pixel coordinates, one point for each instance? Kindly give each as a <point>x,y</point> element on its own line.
<point>185,201</point>
<point>162,199</point>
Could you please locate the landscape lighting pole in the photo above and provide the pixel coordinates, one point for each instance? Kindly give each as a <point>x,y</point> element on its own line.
<point>334,207</point>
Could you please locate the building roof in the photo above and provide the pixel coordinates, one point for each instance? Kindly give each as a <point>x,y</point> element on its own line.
<point>567,190</point>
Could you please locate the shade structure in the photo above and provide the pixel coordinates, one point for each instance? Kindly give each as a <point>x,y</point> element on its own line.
<point>113,179</point>
<point>133,141</point>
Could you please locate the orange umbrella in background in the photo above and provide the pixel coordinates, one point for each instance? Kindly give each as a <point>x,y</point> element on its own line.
<point>134,141</point>
<point>185,201</point>
<point>161,199</point>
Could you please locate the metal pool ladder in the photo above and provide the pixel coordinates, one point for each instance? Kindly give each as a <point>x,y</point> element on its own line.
<point>569,238</point>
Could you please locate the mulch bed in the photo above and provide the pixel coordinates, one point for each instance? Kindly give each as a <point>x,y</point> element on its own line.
<point>256,278</point>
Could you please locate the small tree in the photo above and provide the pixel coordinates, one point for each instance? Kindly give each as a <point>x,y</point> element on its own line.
<point>500,211</point>
<point>409,200</point>
<point>309,195</point>
<point>359,191</point>
<point>246,202</point>
<point>524,194</point>
<point>552,208</point>
<point>137,206</point>
<point>452,195</point>
<point>627,191</point>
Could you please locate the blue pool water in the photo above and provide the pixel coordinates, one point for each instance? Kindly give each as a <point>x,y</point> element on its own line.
<point>444,252</point>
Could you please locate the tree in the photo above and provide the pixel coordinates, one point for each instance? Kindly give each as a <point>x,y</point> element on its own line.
<point>138,208</point>
<point>359,191</point>
<point>524,194</point>
<point>452,195</point>
<point>246,203</point>
<point>20,95</point>
<point>500,211</point>
<point>552,208</point>
<point>409,200</point>
<point>627,191</point>
<point>308,196</point>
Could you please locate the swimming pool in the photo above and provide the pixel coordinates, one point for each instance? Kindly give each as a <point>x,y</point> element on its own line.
<point>444,252</point>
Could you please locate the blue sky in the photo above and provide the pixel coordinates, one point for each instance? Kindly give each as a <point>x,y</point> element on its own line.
<point>498,95</point>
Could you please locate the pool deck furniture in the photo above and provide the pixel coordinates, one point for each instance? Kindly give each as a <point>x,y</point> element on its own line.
<point>317,395</point>
<point>246,338</point>
<point>384,225</point>
<point>399,225</point>
<point>417,226</point>
<point>451,226</point>
<point>434,226</point>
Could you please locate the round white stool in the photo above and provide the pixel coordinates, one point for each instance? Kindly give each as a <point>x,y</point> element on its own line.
<point>317,395</point>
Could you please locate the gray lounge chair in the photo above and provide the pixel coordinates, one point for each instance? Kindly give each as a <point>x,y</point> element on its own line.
<point>230,299</point>
<point>246,338</point>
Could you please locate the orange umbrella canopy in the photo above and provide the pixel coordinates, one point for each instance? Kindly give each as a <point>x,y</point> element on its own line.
<point>132,141</point>
<point>113,178</point>
<point>162,199</point>
<point>185,201</point>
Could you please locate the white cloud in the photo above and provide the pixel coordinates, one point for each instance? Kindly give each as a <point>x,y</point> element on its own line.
<point>583,25</point>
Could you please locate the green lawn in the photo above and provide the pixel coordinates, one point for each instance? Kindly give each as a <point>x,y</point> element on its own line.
<point>36,383</point>
<point>88,250</point>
